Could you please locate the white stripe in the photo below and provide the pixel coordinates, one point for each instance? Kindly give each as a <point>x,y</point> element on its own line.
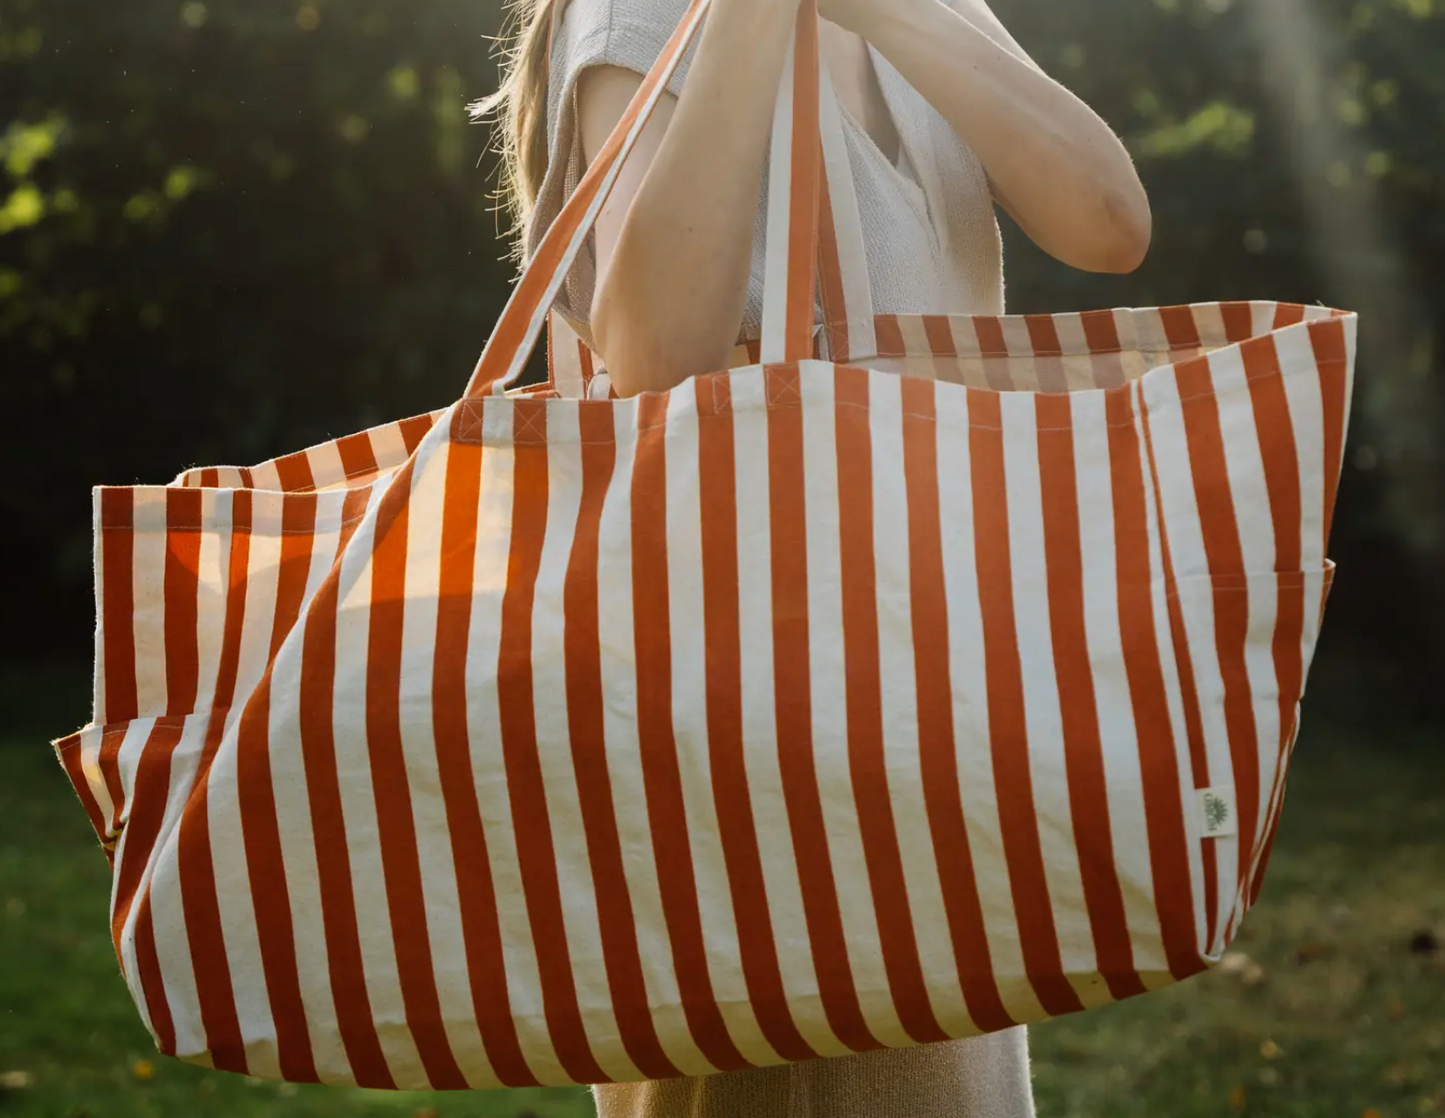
<point>1306,410</point>
<point>99,715</point>
<point>326,468</point>
<point>168,918</point>
<point>1043,714</point>
<point>127,761</point>
<point>90,741</point>
<point>258,613</point>
<point>1209,322</point>
<point>213,585</point>
<point>388,448</point>
<point>148,613</point>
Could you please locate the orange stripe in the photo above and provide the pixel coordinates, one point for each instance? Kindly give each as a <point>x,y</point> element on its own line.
<point>805,180</point>
<point>108,762</point>
<point>890,336</point>
<point>1328,340</point>
<point>259,825</point>
<point>294,472</point>
<point>1083,742</point>
<point>396,825</point>
<point>152,983</point>
<point>117,604</point>
<point>413,430</point>
<point>1279,453</point>
<point>1180,327</point>
<point>1158,752</point>
<point>1043,335</point>
<point>867,758</point>
<point>333,855</point>
<point>587,729</point>
<point>757,943</point>
<point>991,342</point>
<point>1199,409</point>
<point>1258,882</point>
<point>1238,321</point>
<point>476,890</point>
<point>1101,331</point>
<point>181,571</point>
<point>358,458</point>
<point>199,898</point>
<point>937,743</point>
<point>667,813</point>
<point>938,329</point>
<point>147,813</point>
<point>792,692</point>
<point>68,751</point>
<point>298,524</point>
<point>1189,695</point>
<point>535,852</point>
<point>1008,730</point>
<point>1287,314</point>
<point>269,892</point>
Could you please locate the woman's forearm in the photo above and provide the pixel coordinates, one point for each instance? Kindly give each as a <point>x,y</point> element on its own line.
<point>674,284</point>
<point>1057,168</point>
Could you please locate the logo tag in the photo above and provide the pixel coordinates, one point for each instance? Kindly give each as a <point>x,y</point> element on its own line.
<point>1216,812</point>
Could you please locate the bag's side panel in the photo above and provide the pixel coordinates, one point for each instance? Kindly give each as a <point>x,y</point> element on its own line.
<point>1242,501</point>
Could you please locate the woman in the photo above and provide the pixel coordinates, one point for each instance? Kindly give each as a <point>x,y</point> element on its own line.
<point>945,115</point>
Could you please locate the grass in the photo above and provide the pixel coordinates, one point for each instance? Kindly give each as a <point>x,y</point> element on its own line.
<point>1324,1010</point>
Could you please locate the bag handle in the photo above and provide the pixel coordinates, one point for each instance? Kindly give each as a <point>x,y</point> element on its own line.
<point>807,224</point>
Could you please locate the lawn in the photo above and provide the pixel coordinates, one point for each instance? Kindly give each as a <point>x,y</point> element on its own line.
<point>1331,1005</point>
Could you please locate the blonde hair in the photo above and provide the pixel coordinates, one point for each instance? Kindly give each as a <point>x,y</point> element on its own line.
<point>520,106</point>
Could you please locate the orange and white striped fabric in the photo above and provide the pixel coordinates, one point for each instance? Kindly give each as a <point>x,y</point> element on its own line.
<point>802,710</point>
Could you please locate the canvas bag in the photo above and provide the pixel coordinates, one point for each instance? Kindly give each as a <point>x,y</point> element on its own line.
<point>802,710</point>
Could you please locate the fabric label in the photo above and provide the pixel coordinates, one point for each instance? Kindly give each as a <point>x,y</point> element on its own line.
<point>1216,812</point>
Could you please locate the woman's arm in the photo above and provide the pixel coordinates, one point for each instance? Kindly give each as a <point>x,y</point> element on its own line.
<point>674,242</point>
<point>1058,170</point>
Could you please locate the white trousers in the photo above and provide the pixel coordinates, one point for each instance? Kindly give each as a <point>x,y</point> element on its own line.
<point>982,1077</point>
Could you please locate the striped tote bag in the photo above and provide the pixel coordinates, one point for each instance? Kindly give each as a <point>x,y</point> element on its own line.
<point>805,709</point>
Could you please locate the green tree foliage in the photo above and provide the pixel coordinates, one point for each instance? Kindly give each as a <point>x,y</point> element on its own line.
<point>229,229</point>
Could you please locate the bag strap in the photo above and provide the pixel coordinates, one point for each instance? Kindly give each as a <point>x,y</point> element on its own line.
<point>803,229</point>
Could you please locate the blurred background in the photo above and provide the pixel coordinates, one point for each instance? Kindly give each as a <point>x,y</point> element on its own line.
<point>229,230</point>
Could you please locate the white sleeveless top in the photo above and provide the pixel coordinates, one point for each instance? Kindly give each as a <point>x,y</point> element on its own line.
<point>929,228</point>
